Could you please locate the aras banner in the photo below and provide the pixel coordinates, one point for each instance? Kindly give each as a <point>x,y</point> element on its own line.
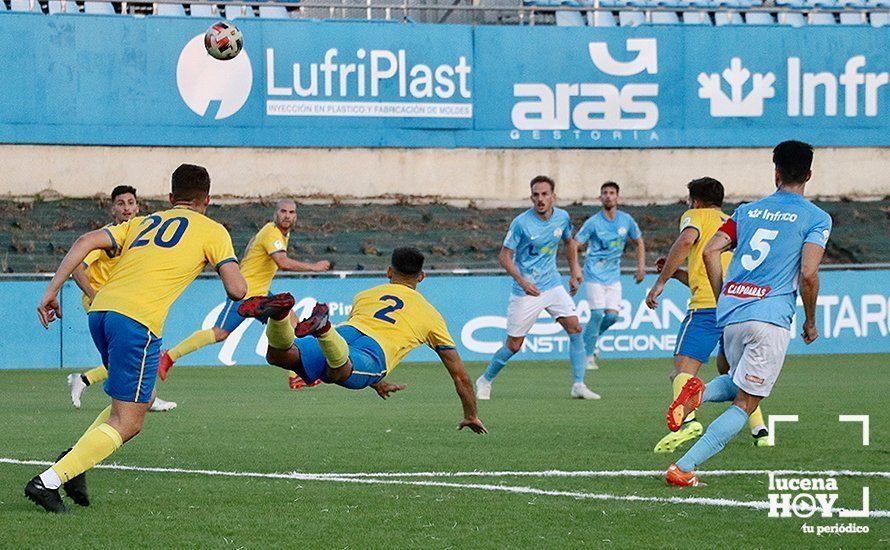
<point>853,316</point>
<point>81,79</point>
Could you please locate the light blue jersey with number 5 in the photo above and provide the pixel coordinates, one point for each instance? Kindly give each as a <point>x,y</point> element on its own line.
<point>762,279</point>
<point>535,243</point>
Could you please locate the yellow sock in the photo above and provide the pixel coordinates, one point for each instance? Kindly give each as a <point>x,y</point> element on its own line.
<point>101,419</point>
<point>97,374</point>
<point>196,341</point>
<point>280,333</point>
<point>334,348</point>
<point>93,447</point>
<point>756,419</point>
<point>679,382</point>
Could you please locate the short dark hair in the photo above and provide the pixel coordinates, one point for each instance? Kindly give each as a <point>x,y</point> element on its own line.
<point>610,184</point>
<point>793,160</point>
<point>122,190</point>
<point>407,260</point>
<point>190,183</point>
<point>706,190</point>
<point>543,179</point>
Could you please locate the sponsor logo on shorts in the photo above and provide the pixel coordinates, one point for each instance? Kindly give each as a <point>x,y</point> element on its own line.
<point>753,379</point>
<point>745,290</point>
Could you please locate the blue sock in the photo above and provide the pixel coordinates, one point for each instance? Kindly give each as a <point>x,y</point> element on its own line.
<point>500,359</point>
<point>609,319</point>
<point>592,330</point>
<point>720,389</point>
<point>718,434</point>
<point>577,356</point>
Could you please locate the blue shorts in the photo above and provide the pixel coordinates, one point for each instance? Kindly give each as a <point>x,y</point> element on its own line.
<point>699,335</point>
<point>368,360</point>
<point>228,318</point>
<point>129,351</point>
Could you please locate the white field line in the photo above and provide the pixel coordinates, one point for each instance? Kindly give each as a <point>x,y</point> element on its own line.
<point>364,479</point>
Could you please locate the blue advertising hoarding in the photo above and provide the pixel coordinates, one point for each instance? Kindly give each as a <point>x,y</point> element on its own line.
<point>85,79</point>
<point>853,316</point>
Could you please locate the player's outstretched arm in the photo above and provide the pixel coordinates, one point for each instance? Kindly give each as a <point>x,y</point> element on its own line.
<point>505,258</point>
<point>677,255</point>
<point>286,263</point>
<point>811,257</point>
<point>48,308</point>
<point>719,243</point>
<point>233,281</point>
<point>464,387</point>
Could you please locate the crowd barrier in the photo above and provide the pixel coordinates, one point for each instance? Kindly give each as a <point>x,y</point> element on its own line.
<point>853,316</point>
<point>84,79</point>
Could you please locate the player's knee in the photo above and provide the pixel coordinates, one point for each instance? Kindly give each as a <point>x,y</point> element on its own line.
<point>220,334</point>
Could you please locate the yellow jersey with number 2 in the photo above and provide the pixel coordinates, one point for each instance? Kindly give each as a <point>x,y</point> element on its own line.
<point>706,221</point>
<point>399,319</point>
<point>160,255</point>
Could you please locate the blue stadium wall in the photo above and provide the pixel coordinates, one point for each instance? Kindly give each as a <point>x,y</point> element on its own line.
<point>112,80</point>
<point>853,316</point>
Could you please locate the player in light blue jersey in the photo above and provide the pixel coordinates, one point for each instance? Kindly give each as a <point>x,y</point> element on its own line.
<point>529,256</point>
<point>606,234</point>
<point>779,242</point>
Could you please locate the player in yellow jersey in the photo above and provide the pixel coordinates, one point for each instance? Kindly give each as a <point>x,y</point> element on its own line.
<point>265,254</point>
<point>385,323</point>
<point>160,255</point>
<point>698,334</point>
<point>90,276</point>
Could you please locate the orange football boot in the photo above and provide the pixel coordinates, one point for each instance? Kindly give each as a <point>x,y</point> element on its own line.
<point>688,400</point>
<point>676,476</point>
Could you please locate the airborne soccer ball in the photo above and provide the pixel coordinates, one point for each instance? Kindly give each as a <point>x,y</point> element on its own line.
<point>223,41</point>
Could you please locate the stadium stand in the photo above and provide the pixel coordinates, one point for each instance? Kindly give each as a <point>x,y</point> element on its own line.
<point>567,13</point>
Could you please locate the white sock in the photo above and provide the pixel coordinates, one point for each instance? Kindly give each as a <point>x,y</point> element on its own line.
<point>51,479</point>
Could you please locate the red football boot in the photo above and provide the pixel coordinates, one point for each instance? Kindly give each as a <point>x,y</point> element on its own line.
<point>164,365</point>
<point>295,382</point>
<point>676,476</point>
<point>688,400</point>
<point>317,323</point>
<point>264,307</point>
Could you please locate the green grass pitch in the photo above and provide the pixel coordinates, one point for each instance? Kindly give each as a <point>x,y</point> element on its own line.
<point>244,419</point>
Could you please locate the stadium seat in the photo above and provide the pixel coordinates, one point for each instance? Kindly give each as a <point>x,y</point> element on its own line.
<point>273,12</point>
<point>880,19</point>
<point>62,6</point>
<point>631,18</point>
<point>880,4</point>
<point>665,18</point>
<point>601,19</point>
<point>759,18</point>
<point>98,8</point>
<point>170,10</point>
<point>794,19</point>
<point>25,5</point>
<point>722,18</point>
<point>203,10</point>
<point>234,12</point>
<point>821,18</point>
<point>849,18</point>
<point>696,18</point>
<point>569,19</point>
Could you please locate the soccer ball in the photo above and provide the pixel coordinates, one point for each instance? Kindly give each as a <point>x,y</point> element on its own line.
<point>223,41</point>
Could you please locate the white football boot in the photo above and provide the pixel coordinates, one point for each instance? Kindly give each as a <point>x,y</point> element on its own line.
<point>483,388</point>
<point>161,406</point>
<point>581,391</point>
<point>77,386</point>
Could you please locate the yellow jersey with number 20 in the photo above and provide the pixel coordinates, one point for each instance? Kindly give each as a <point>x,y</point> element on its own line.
<point>399,319</point>
<point>706,221</point>
<point>160,255</point>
